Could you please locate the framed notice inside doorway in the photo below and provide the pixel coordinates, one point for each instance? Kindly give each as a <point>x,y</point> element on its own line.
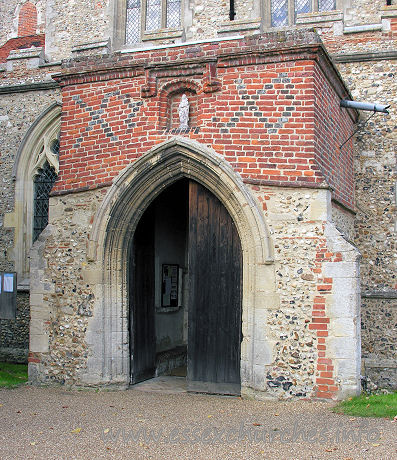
<point>170,286</point>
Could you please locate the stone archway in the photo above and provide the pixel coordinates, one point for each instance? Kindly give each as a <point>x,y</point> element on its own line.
<point>131,193</point>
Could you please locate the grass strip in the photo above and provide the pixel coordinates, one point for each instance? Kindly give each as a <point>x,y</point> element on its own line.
<point>12,375</point>
<point>365,405</point>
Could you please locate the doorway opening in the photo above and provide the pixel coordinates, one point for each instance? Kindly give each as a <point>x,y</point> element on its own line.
<point>185,277</point>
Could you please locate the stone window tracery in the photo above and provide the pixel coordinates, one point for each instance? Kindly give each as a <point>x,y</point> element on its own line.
<point>43,182</point>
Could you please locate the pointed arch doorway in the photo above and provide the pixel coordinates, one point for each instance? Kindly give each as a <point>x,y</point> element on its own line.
<point>185,290</point>
<point>109,249</point>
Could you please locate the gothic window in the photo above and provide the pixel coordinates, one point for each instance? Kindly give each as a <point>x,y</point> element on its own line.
<point>153,15</point>
<point>43,182</point>
<point>35,170</point>
<point>284,12</point>
<point>150,16</point>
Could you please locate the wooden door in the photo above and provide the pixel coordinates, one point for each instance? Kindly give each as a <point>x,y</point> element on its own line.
<point>215,272</point>
<point>142,326</point>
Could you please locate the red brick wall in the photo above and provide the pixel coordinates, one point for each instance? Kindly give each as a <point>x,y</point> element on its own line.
<point>332,128</point>
<point>27,21</point>
<point>20,43</point>
<point>349,43</point>
<point>268,116</point>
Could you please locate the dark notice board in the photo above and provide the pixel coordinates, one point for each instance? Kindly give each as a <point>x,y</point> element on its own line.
<point>8,295</point>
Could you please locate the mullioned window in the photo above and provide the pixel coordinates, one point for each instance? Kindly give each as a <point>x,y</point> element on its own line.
<point>150,16</point>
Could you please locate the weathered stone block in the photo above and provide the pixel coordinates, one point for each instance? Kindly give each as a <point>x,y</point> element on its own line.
<point>344,348</point>
<point>343,304</point>
<point>341,270</point>
<point>39,343</point>
<point>343,327</point>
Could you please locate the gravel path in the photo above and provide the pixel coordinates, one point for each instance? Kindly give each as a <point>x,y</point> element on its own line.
<point>54,423</point>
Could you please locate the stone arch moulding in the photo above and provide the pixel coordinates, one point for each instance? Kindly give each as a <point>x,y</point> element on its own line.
<point>33,151</point>
<point>114,224</point>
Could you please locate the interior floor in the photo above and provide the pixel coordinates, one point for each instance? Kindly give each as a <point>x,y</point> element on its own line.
<point>165,384</point>
<point>179,371</point>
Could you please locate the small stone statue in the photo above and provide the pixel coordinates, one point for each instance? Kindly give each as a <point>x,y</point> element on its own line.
<point>183,111</point>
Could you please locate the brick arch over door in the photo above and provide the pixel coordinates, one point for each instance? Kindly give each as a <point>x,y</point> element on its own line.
<point>126,201</point>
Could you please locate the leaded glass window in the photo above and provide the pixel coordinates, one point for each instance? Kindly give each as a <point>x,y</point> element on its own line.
<point>303,6</point>
<point>55,147</point>
<point>158,14</point>
<point>279,13</point>
<point>326,5</point>
<point>173,14</point>
<point>153,15</point>
<point>284,12</point>
<point>42,185</point>
<point>133,21</point>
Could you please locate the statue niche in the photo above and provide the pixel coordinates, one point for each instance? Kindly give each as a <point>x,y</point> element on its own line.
<point>182,110</point>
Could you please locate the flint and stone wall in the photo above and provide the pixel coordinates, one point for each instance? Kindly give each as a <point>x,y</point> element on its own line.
<point>10,18</point>
<point>14,123</point>
<point>370,73</point>
<point>14,333</point>
<point>310,331</point>
<point>379,324</point>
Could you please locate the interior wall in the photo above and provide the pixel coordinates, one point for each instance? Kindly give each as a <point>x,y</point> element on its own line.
<point>170,248</point>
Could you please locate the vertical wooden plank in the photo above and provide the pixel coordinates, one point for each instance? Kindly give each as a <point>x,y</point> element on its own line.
<point>142,326</point>
<point>214,297</point>
<point>236,281</point>
<point>221,293</point>
<point>213,306</point>
<point>192,245</point>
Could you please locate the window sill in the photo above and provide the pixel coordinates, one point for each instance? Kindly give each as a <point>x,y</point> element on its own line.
<point>362,28</point>
<point>88,49</point>
<point>389,11</point>
<point>252,25</point>
<point>162,34</point>
<point>318,17</point>
<point>24,285</point>
<point>168,309</point>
